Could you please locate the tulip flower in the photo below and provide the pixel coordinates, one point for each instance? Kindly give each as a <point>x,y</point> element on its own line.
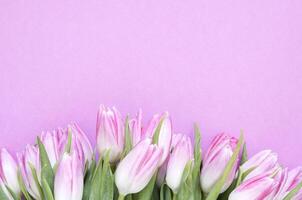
<point>264,161</point>
<point>5,191</point>
<point>136,170</point>
<point>181,155</point>
<point>165,133</point>
<point>261,187</point>
<point>291,179</point>
<point>8,171</point>
<point>84,141</point>
<point>215,161</point>
<point>27,159</point>
<point>135,126</point>
<point>68,184</point>
<point>51,141</point>
<point>110,133</point>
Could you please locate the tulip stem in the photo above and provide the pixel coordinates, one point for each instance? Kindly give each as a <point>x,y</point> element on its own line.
<point>121,197</point>
<point>174,196</point>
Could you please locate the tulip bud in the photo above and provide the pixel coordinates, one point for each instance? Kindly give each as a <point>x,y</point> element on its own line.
<point>84,141</point>
<point>165,133</point>
<point>27,159</point>
<point>181,155</point>
<point>287,182</point>
<point>215,161</point>
<point>262,162</point>
<point>136,170</point>
<point>135,126</point>
<point>260,187</point>
<point>69,177</point>
<point>51,141</point>
<point>9,171</point>
<point>4,189</point>
<point>110,133</point>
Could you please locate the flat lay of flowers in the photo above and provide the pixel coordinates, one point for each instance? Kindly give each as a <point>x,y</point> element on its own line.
<point>134,161</point>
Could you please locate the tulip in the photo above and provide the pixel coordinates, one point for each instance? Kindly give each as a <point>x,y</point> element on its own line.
<point>5,191</point>
<point>8,171</point>
<point>165,133</point>
<point>110,133</point>
<point>181,155</point>
<point>261,187</point>
<point>84,141</point>
<point>135,126</point>
<point>289,182</point>
<point>27,159</point>
<point>51,141</point>
<point>264,161</point>
<point>136,170</point>
<point>68,184</point>
<point>215,161</point>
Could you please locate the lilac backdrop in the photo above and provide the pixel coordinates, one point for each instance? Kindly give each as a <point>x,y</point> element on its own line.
<point>224,64</point>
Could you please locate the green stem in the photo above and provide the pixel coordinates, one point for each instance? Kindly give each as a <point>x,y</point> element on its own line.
<point>121,197</point>
<point>174,196</point>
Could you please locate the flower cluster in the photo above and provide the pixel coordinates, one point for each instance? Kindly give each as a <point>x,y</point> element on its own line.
<point>133,161</point>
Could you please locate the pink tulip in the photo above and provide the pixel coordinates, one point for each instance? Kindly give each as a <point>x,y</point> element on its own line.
<point>135,125</point>
<point>136,170</point>
<point>30,157</point>
<point>51,141</point>
<point>110,133</point>
<point>181,155</point>
<point>83,140</point>
<point>8,171</point>
<point>288,181</point>
<point>4,189</point>
<point>165,133</point>
<point>262,162</point>
<point>68,184</point>
<point>260,187</point>
<point>215,161</point>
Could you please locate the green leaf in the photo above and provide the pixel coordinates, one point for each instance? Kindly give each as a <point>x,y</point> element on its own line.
<point>293,192</point>
<point>47,190</point>
<point>214,193</point>
<point>107,180</point>
<point>22,186</point>
<point>96,182</point>
<point>88,180</point>
<point>35,176</point>
<point>46,169</point>
<point>146,193</point>
<point>128,140</point>
<point>3,195</point>
<point>197,194</point>
<point>244,156</point>
<point>157,130</point>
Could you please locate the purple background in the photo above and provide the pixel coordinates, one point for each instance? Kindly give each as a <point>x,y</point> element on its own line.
<point>224,64</point>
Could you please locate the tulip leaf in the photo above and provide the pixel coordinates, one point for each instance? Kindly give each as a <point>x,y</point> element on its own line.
<point>35,176</point>
<point>165,193</point>
<point>157,131</point>
<point>46,168</point>
<point>3,196</point>
<point>293,192</point>
<point>244,156</point>
<point>214,193</point>
<point>128,140</point>
<point>46,189</point>
<point>96,182</point>
<point>197,164</point>
<point>146,193</point>
<point>88,180</point>
<point>22,186</point>
<point>107,181</point>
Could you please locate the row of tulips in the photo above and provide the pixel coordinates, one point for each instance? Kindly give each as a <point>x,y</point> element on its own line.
<point>136,162</point>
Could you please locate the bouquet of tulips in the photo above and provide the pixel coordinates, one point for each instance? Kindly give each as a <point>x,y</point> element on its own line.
<point>136,162</point>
